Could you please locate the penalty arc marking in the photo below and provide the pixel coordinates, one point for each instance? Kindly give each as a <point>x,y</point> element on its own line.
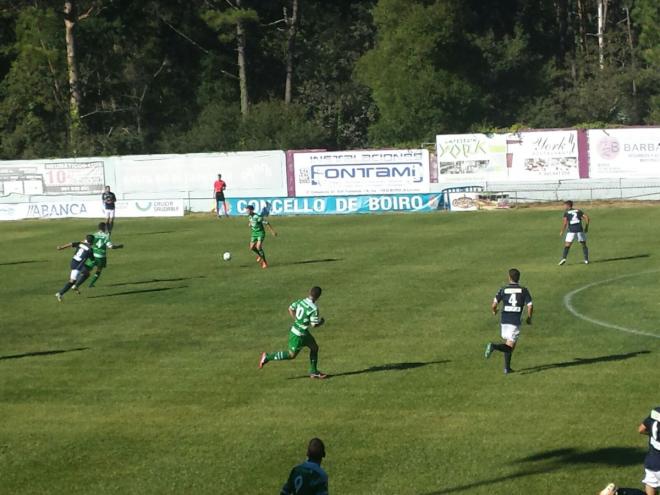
<point>568,303</point>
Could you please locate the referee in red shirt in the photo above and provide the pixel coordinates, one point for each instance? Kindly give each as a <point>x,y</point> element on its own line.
<point>219,187</point>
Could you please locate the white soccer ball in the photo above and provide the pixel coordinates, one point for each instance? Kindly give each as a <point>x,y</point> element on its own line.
<point>226,256</point>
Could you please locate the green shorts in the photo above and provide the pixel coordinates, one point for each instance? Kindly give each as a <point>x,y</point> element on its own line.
<point>100,262</point>
<point>296,343</point>
<point>257,238</point>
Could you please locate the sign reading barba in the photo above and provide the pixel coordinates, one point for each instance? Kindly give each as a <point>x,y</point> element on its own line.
<point>361,172</point>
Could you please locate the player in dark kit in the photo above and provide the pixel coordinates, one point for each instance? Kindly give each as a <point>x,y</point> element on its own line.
<point>573,224</point>
<point>651,427</point>
<point>78,267</point>
<point>514,297</point>
<point>109,199</point>
<point>308,478</point>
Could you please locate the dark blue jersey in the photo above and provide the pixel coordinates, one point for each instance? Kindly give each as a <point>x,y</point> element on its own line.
<point>652,424</point>
<point>514,299</point>
<point>574,219</point>
<point>83,253</point>
<point>109,200</point>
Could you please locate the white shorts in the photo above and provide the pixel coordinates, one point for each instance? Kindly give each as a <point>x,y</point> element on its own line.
<point>510,332</point>
<point>581,236</point>
<point>74,274</point>
<point>109,213</point>
<point>652,478</point>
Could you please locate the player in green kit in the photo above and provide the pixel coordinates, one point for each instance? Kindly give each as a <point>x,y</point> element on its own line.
<point>258,234</point>
<point>101,244</point>
<point>305,314</point>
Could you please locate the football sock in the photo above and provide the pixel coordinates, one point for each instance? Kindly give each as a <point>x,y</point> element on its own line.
<point>277,356</point>
<point>261,253</point>
<point>565,255</point>
<point>313,360</point>
<point>66,287</point>
<point>585,251</point>
<point>501,347</point>
<point>507,358</point>
<point>94,279</point>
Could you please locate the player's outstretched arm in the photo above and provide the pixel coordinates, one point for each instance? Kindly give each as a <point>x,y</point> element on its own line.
<point>272,230</point>
<point>586,222</point>
<point>115,246</point>
<point>642,429</point>
<point>64,246</point>
<point>530,310</point>
<point>493,306</point>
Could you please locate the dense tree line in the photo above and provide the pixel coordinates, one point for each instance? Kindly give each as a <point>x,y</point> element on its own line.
<point>99,77</point>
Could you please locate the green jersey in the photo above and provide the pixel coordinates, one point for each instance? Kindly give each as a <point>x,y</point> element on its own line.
<point>101,243</point>
<point>306,314</point>
<point>307,478</point>
<point>257,223</point>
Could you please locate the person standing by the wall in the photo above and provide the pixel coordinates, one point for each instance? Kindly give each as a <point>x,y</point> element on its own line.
<point>219,187</point>
<point>109,199</point>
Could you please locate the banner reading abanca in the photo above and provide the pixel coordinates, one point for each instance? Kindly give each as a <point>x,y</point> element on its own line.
<point>346,173</point>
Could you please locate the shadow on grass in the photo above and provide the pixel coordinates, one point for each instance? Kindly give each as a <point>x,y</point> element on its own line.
<point>22,262</point>
<point>622,258</point>
<point>557,460</point>
<point>382,367</point>
<point>292,263</point>
<point>582,362</point>
<point>139,291</point>
<point>153,280</point>
<point>42,353</point>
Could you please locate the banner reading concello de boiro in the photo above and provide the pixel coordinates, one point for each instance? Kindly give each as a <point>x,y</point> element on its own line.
<point>623,153</point>
<point>354,173</point>
<point>332,205</point>
<point>91,209</point>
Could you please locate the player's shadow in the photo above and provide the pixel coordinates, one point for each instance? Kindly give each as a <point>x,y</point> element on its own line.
<point>24,262</point>
<point>309,262</point>
<point>154,280</point>
<point>622,258</point>
<point>382,367</point>
<point>557,460</point>
<point>41,353</point>
<point>582,362</point>
<point>139,291</point>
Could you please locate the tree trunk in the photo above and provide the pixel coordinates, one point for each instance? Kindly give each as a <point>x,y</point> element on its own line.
<point>602,21</point>
<point>70,20</point>
<point>633,62</point>
<point>582,42</point>
<point>242,73</point>
<point>292,24</point>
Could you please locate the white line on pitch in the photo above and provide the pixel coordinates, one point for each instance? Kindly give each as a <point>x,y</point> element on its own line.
<point>569,306</point>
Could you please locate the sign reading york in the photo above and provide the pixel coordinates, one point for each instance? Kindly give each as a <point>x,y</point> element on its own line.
<point>345,173</point>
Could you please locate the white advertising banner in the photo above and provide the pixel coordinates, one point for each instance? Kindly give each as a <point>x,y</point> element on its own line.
<point>543,155</point>
<point>624,153</point>
<point>91,209</point>
<point>246,173</point>
<point>471,156</point>
<point>51,177</point>
<point>346,173</point>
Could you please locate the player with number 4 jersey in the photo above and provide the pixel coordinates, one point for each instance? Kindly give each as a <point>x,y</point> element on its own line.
<point>651,427</point>
<point>305,314</point>
<point>514,299</point>
<point>572,224</point>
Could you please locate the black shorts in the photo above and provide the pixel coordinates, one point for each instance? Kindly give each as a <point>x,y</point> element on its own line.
<point>219,196</point>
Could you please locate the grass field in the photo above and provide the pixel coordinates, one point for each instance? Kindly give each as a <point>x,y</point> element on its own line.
<point>148,383</point>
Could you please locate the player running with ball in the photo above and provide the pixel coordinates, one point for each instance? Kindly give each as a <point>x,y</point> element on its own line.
<point>305,314</point>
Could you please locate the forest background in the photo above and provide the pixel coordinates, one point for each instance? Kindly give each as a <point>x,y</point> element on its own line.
<point>104,77</point>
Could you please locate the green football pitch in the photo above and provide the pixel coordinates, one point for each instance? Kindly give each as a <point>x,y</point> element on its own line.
<point>148,383</point>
